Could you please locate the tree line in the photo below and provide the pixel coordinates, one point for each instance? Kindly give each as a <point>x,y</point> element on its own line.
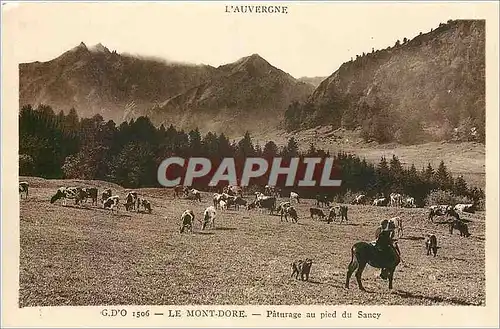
<point>66,146</point>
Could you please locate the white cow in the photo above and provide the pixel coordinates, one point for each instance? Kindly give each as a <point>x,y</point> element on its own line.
<point>294,196</point>
<point>209,217</point>
<point>396,199</point>
<point>112,203</point>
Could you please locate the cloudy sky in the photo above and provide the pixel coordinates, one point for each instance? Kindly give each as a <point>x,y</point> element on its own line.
<point>313,39</point>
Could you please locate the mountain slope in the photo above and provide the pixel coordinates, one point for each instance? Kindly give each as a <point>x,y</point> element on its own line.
<point>249,94</point>
<point>418,90</point>
<point>95,80</point>
<point>315,81</point>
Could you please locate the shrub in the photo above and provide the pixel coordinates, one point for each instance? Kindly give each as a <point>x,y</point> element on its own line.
<point>437,197</point>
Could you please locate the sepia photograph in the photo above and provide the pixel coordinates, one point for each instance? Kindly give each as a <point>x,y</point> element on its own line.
<point>247,154</point>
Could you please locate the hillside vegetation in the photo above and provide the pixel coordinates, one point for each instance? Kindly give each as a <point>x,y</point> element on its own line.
<point>418,90</point>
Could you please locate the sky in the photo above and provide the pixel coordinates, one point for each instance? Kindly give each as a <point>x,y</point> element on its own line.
<point>313,39</point>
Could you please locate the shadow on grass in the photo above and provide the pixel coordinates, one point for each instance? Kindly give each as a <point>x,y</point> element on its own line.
<point>314,282</point>
<point>437,299</point>
<point>412,237</point>
<point>203,233</point>
<point>225,228</point>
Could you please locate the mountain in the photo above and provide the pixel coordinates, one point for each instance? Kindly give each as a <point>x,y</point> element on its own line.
<point>247,95</point>
<point>429,88</point>
<point>96,80</point>
<point>315,81</point>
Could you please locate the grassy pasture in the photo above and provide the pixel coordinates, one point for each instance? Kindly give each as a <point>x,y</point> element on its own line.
<point>87,256</point>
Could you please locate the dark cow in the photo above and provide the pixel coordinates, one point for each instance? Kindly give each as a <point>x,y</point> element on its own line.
<point>91,192</point>
<point>267,203</point>
<point>462,227</point>
<point>289,211</point>
<point>146,205</point>
<point>23,188</point>
<point>180,190</point>
<point>113,202</point>
<point>65,193</point>
<point>431,244</point>
<point>236,201</point>
<point>322,199</point>
<point>316,212</point>
<point>252,205</point>
<point>194,194</point>
<point>187,220</point>
<point>105,194</point>
<point>302,268</point>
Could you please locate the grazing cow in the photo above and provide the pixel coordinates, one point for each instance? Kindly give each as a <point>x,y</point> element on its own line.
<point>289,211</point>
<point>462,227</point>
<point>130,200</point>
<point>65,193</point>
<point>111,203</point>
<point>316,212</point>
<point>236,201</point>
<point>281,208</point>
<point>216,198</point>
<point>91,192</point>
<point>396,199</point>
<point>337,211</point>
<point>268,202</point>
<point>322,199</point>
<point>409,202</point>
<point>23,188</point>
<point>431,244</point>
<point>180,190</point>
<point>302,268</point>
<point>442,210</point>
<point>294,196</point>
<point>222,205</point>
<point>360,199</point>
<point>146,205</point>
<point>187,220</point>
<point>209,217</point>
<point>194,194</point>
<point>381,202</point>
<point>105,194</point>
<point>252,205</point>
<point>398,225</point>
<point>259,196</point>
<point>465,207</point>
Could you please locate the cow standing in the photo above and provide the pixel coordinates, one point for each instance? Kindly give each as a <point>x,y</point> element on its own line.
<point>23,188</point>
<point>431,244</point>
<point>106,194</point>
<point>187,220</point>
<point>316,212</point>
<point>112,203</point>
<point>322,199</point>
<point>360,199</point>
<point>75,193</point>
<point>209,217</point>
<point>91,192</point>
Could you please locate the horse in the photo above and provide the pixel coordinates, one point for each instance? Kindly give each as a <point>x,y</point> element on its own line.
<point>382,255</point>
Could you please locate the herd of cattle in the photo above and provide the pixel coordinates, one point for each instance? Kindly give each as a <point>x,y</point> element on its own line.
<point>232,196</point>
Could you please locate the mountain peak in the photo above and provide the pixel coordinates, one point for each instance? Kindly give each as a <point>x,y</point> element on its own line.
<point>81,46</point>
<point>99,48</point>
